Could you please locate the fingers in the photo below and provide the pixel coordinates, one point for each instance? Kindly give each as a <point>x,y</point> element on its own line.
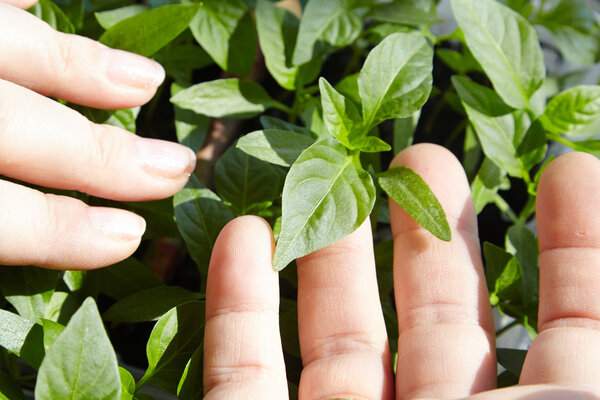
<point>567,349</point>
<point>24,4</point>
<point>446,339</point>
<point>71,67</point>
<point>61,232</point>
<point>343,340</point>
<point>243,358</point>
<point>57,147</point>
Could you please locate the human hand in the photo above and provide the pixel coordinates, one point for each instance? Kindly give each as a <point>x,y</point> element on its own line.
<point>446,342</point>
<point>45,143</point>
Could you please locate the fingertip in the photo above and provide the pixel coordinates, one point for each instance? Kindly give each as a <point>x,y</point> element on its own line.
<point>444,174</point>
<point>241,268</point>
<point>568,201</point>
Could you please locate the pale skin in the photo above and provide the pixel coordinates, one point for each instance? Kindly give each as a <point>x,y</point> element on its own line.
<point>446,345</point>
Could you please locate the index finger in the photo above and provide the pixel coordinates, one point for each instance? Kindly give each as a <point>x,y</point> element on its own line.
<point>72,67</point>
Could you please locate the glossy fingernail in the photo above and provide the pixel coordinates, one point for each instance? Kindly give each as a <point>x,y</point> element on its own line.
<point>165,159</point>
<point>124,68</point>
<point>117,224</point>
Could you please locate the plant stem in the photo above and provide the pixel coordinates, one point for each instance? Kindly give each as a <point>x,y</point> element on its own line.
<point>505,208</point>
<point>506,328</point>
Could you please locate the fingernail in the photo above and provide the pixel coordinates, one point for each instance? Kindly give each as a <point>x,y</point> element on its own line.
<point>130,69</point>
<point>117,224</point>
<point>166,159</point>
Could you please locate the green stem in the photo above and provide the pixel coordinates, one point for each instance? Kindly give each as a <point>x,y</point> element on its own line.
<point>505,208</point>
<point>506,328</point>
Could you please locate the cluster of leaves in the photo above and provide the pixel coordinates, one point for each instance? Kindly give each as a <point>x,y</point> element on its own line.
<point>344,85</point>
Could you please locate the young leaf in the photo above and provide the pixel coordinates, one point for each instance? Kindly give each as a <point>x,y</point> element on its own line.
<point>574,112</point>
<point>244,181</point>
<point>190,385</point>
<point>325,24</point>
<point>224,28</point>
<point>499,136</point>
<point>522,243</point>
<point>127,384</point>
<point>277,31</point>
<point>411,192</point>
<point>503,273</point>
<point>148,304</point>
<point>107,19</point>
<point>52,330</point>
<point>200,216</point>
<point>481,98</point>
<point>275,146</point>
<point>506,46</point>
<point>395,80</point>
<point>486,184</point>
<point>81,364</point>
<point>174,339</point>
<point>404,130</point>
<point>22,338</point>
<point>341,116</point>
<point>327,195</point>
<point>29,289</point>
<point>148,32</point>
<point>230,98</point>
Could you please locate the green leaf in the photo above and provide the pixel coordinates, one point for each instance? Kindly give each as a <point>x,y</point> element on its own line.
<point>81,364</point>
<point>411,192</point>
<point>151,30</point>
<point>52,330</point>
<point>281,125</point>
<point>190,385</point>
<point>480,98</point>
<point>200,216</point>
<point>229,98</point>
<point>571,24</point>
<point>275,146</point>
<point>224,28</point>
<point>395,80</point>
<point>243,181</point>
<point>506,46</point>
<point>327,195</point>
<point>107,19</point>
<point>277,31</point>
<point>29,289</point>
<point>174,339</point>
<point>486,184</point>
<point>574,112</point>
<point>22,338</point>
<point>503,273</point>
<point>325,25</point>
<point>50,13</point>
<point>9,388</point>
<point>180,60</point>
<point>149,304</point>
<point>522,243</point>
<point>343,121</point>
<point>127,277</point>
<point>404,130</point>
<point>403,13</point>
<point>511,359</point>
<point>127,384</point>
<point>191,128</point>
<point>501,137</point>
<point>124,119</point>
